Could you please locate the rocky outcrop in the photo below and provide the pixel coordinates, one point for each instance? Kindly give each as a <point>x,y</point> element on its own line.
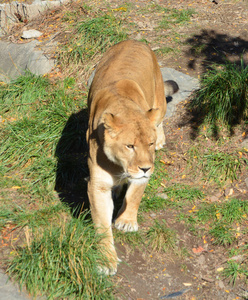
<point>15,12</point>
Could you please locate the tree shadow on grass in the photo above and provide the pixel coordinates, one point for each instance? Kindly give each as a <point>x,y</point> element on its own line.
<point>72,168</point>
<point>210,48</point>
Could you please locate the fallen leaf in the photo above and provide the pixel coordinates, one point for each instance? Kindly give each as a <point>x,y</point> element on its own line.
<point>198,250</point>
<point>187,283</point>
<point>15,187</point>
<point>220,269</point>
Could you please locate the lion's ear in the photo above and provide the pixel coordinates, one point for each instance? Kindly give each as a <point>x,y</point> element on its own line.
<point>111,122</point>
<point>154,116</point>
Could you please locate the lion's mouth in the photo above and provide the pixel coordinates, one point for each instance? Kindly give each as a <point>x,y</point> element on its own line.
<point>138,179</point>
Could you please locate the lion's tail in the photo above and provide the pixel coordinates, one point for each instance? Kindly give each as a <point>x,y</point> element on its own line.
<point>170,87</point>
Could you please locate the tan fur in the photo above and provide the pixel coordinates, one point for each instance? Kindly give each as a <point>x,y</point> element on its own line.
<point>126,108</point>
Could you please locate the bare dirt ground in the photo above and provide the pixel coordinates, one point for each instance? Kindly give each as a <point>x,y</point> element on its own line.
<point>217,31</point>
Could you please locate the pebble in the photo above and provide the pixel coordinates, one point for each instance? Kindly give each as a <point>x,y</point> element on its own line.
<point>244,144</point>
<point>221,284</point>
<point>31,33</point>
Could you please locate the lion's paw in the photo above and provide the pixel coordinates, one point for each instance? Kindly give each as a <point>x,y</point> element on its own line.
<point>109,270</point>
<point>127,226</point>
<point>106,271</point>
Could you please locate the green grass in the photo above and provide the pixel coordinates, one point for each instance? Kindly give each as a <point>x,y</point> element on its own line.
<point>233,210</point>
<point>222,233</point>
<point>223,97</point>
<point>93,36</point>
<point>234,270</point>
<point>174,17</point>
<point>166,50</point>
<point>61,261</point>
<point>131,239</point>
<point>160,237</point>
<point>214,165</point>
<point>221,166</point>
<point>221,219</point>
<point>21,216</point>
<point>35,113</point>
<point>180,195</point>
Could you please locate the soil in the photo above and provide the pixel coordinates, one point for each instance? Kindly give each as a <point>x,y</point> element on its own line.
<point>217,32</point>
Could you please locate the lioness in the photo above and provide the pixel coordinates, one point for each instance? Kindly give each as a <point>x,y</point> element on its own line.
<point>127,105</point>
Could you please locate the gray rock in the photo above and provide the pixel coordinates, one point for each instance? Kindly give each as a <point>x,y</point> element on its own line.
<point>15,59</point>
<point>9,290</point>
<point>31,33</point>
<point>27,11</point>
<point>186,83</point>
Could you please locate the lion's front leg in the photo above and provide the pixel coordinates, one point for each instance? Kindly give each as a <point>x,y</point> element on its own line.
<point>127,216</point>
<point>101,205</point>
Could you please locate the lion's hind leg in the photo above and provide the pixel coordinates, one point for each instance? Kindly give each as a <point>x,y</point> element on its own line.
<point>160,137</point>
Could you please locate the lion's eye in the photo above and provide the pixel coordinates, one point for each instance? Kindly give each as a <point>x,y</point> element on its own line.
<point>130,146</point>
<point>151,144</point>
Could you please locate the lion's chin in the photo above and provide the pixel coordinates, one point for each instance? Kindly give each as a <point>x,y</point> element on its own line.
<point>141,180</point>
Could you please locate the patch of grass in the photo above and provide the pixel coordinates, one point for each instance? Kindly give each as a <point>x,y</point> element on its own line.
<point>36,112</point>
<point>94,36</point>
<point>180,194</point>
<point>153,7</point>
<point>61,262</point>
<point>218,220</point>
<point>221,166</point>
<point>133,239</point>
<point>221,219</point>
<point>223,234</point>
<point>234,269</point>
<point>215,165</point>
<point>21,216</point>
<point>152,203</point>
<point>175,17</point>
<point>223,96</point>
<point>234,210</point>
<point>160,237</point>
<point>166,50</point>
<point>24,92</point>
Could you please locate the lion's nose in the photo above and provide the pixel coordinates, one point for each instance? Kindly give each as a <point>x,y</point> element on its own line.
<point>144,169</point>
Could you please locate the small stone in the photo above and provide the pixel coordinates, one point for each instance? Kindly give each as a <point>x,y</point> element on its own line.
<point>30,34</point>
<point>244,144</point>
<point>214,198</point>
<point>138,37</point>
<point>228,192</point>
<point>221,284</point>
<point>202,261</point>
<point>163,196</point>
<point>207,278</point>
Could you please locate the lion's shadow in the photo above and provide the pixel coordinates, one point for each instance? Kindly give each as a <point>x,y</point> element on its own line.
<point>72,169</point>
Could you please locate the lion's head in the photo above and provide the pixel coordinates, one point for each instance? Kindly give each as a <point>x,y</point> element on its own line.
<point>130,143</point>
